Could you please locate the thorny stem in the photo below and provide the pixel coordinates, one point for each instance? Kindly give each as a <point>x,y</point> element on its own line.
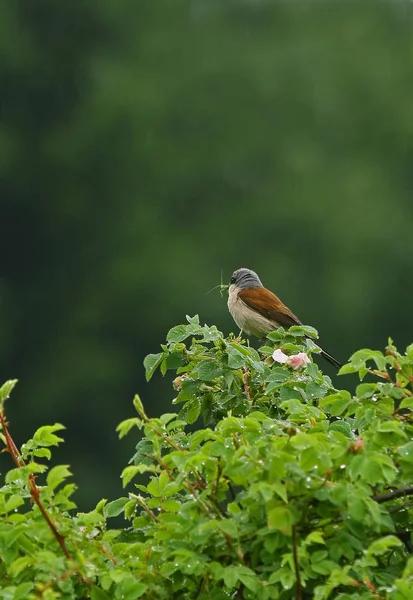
<point>31,483</point>
<point>299,591</point>
<point>247,386</point>
<point>145,507</point>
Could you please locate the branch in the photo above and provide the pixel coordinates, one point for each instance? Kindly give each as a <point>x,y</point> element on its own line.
<point>407,491</point>
<point>299,592</point>
<point>31,483</point>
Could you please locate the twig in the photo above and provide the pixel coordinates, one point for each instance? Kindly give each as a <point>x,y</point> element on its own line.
<point>299,591</point>
<point>145,507</point>
<point>407,491</point>
<point>31,483</point>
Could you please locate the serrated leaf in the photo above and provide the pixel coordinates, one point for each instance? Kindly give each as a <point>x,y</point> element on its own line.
<point>129,473</point>
<point>192,410</point>
<point>132,588</point>
<point>22,591</point>
<point>383,545</point>
<point>57,475</point>
<point>22,473</point>
<point>6,389</point>
<point>125,426</point>
<point>341,426</point>
<point>12,503</point>
<point>236,359</point>
<point>208,370</point>
<point>346,369</point>
<point>42,453</point>
<point>406,451</point>
<point>19,565</point>
<point>115,508</point>
<point>99,594</point>
<point>45,436</point>
<point>304,330</point>
<point>151,363</point>
<point>281,519</point>
<point>178,333</point>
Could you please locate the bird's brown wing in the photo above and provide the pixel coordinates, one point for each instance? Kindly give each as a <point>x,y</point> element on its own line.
<point>269,306</point>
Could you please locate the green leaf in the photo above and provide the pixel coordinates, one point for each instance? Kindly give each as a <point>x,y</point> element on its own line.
<point>315,537</point>
<point>22,591</point>
<point>359,358</point>
<point>167,418</point>
<point>281,519</point>
<point>42,453</point>
<point>280,490</point>
<point>236,359</point>
<point>44,436</point>
<point>12,503</point>
<point>115,508</point>
<point>231,576</point>
<point>276,378</point>
<point>336,403</point>
<point>346,369</point>
<point>22,473</point>
<point>129,473</point>
<point>125,426</point>
<point>132,588</point>
<point>208,370</point>
<point>151,363</point>
<point>366,390</point>
<point>57,475</point>
<point>304,330</point>
<point>229,527</point>
<point>341,426</point>
<point>137,403</point>
<point>99,594</point>
<point>391,426</point>
<point>178,333</point>
<point>20,565</point>
<point>384,545</point>
<point>6,389</point>
<point>407,403</point>
<point>277,335</point>
<point>406,451</point>
<point>192,410</point>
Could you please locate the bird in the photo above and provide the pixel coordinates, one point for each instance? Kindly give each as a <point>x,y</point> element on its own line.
<point>258,311</point>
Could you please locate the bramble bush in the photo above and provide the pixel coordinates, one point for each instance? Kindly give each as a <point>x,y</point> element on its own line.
<point>288,489</point>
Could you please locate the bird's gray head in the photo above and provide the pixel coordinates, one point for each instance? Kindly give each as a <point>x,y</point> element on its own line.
<point>245,278</point>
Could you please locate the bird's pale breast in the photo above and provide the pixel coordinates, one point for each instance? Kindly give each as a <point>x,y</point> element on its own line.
<point>247,319</point>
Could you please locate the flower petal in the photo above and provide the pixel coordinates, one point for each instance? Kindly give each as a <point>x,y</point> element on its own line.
<point>279,356</point>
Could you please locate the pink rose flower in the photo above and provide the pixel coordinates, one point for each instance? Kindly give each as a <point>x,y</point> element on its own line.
<point>298,360</point>
<point>279,356</point>
<point>295,361</point>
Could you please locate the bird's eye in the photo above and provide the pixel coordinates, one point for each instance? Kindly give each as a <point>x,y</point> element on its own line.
<point>232,279</point>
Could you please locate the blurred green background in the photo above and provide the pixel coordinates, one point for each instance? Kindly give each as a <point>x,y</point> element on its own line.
<point>147,145</point>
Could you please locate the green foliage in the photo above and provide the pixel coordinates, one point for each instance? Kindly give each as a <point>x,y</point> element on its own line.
<point>290,488</point>
<point>146,145</point>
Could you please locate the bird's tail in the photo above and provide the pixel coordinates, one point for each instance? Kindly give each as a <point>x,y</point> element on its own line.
<point>330,359</point>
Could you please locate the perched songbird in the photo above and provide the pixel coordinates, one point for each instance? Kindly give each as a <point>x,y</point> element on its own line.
<point>257,311</point>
